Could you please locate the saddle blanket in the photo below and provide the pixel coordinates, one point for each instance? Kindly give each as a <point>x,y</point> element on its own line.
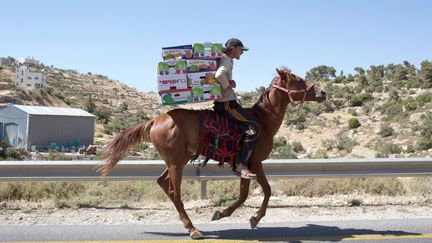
<point>220,137</point>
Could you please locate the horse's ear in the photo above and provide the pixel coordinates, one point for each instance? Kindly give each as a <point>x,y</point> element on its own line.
<point>280,72</point>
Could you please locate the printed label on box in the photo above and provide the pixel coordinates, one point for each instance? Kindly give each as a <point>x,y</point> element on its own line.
<point>172,81</point>
<point>206,92</point>
<point>196,79</point>
<point>207,50</point>
<point>171,67</point>
<point>177,52</point>
<point>200,65</point>
<point>171,97</point>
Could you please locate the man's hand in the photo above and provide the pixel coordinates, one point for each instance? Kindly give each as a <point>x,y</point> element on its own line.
<point>232,83</point>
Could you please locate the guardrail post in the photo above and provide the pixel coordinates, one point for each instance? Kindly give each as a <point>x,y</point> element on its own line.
<point>203,189</point>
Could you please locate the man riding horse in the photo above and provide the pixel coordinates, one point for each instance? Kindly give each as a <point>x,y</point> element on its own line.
<point>229,106</point>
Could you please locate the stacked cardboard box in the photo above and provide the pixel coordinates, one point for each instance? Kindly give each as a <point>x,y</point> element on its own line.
<point>186,73</point>
<point>172,82</point>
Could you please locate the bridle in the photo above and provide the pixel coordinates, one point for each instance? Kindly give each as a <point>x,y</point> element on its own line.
<point>296,91</point>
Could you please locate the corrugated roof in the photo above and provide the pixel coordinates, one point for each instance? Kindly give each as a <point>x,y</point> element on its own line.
<point>53,111</point>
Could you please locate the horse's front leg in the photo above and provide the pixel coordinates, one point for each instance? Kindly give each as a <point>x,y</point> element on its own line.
<point>244,191</point>
<point>262,180</point>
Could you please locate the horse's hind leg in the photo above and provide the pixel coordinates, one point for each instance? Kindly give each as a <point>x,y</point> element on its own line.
<point>244,191</point>
<point>175,178</point>
<point>164,183</point>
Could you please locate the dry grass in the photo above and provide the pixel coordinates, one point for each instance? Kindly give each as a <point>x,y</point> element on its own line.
<point>221,193</point>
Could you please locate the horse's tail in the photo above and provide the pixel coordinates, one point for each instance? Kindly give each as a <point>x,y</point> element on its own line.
<point>121,145</point>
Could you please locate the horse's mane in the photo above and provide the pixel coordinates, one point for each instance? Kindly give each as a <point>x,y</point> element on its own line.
<point>263,102</point>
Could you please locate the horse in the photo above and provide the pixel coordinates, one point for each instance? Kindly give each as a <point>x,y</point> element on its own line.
<point>175,135</point>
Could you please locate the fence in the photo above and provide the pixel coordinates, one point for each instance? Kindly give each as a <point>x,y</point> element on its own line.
<point>274,169</point>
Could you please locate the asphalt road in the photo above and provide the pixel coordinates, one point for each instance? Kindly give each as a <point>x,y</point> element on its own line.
<point>400,230</point>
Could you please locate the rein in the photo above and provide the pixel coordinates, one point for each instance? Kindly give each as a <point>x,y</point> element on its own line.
<point>289,92</point>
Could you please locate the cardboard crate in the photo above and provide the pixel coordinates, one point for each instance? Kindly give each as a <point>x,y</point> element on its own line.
<point>201,78</point>
<point>207,50</point>
<point>178,96</point>
<point>206,92</point>
<point>172,82</point>
<point>200,65</point>
<point>177,52</point>
<point>171,67</point>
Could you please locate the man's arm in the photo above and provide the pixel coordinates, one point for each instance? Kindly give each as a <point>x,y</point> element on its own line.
<point>222,77</point>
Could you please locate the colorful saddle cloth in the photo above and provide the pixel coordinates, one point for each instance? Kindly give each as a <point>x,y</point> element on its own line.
<point>220,137</point>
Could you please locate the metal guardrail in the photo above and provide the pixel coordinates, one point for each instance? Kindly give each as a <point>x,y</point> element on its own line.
<point>274,169</point>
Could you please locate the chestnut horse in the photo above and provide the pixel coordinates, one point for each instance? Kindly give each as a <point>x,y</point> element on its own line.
<point>175,134</point>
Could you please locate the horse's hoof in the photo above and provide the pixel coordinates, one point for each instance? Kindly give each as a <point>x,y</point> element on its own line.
<point>195,234</point>
<point>253,222</point>
<point>216,216</point>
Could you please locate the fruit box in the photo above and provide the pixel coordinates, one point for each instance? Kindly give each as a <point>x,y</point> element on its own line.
<point>200,65</point>
<point>207,50</point>
<point>206,92</point>
<point>172,82</point>
<point>178,96</point>
<point>171,67</point>
<point>177,52</point>
<point>201,78</point>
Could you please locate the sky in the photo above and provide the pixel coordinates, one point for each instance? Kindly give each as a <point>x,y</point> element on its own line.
<point>123,39</point>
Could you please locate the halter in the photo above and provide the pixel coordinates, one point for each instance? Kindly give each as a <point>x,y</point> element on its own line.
<point>289,92</point>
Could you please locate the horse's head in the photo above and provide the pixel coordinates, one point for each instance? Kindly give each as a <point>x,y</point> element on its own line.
<point>297,88</point>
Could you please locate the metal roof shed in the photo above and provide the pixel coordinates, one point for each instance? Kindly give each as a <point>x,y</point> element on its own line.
<point>27,126</point>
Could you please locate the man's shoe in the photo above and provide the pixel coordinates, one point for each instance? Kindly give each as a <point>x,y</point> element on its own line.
<point>245,174</point>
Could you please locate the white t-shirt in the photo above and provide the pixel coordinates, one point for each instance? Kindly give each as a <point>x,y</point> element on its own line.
<point>224,75</point>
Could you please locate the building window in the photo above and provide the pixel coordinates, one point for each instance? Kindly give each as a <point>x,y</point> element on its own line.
<point>29,78</point>
<point>36,78</point>
<point>21,80</point>
<point>28,85</point>
<point>37,86</point>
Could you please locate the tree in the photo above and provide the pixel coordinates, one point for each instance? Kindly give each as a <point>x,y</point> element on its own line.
<point>359,70</point>
<point>89,105</point>
<point>375,73</point>
<point>425,73</point>
<point>321,72</point>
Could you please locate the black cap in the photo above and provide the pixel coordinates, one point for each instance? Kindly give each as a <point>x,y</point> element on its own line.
<point>235,42</point>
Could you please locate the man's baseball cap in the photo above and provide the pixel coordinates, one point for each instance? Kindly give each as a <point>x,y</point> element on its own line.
<point>235,42</point>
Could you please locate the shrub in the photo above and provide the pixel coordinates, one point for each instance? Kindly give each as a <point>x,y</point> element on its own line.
<point>391,109</point>
<point>355,101</point>
<point>284,152</point>
<point>103,115</point>
<point>424,144</point>
<point>279,142</point>
<point>388,148</point>
<point>355,202</point>
<point>424,99</point>
<point>386,130</point>
<point>410,104</point>
<point>297,147</point>
<point>353,123</point>
<point>343,142</point>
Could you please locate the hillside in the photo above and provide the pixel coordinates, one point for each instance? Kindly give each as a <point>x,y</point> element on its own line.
<point>379,112</point>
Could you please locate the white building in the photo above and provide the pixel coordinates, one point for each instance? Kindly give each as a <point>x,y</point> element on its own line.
<point>28,80</point>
